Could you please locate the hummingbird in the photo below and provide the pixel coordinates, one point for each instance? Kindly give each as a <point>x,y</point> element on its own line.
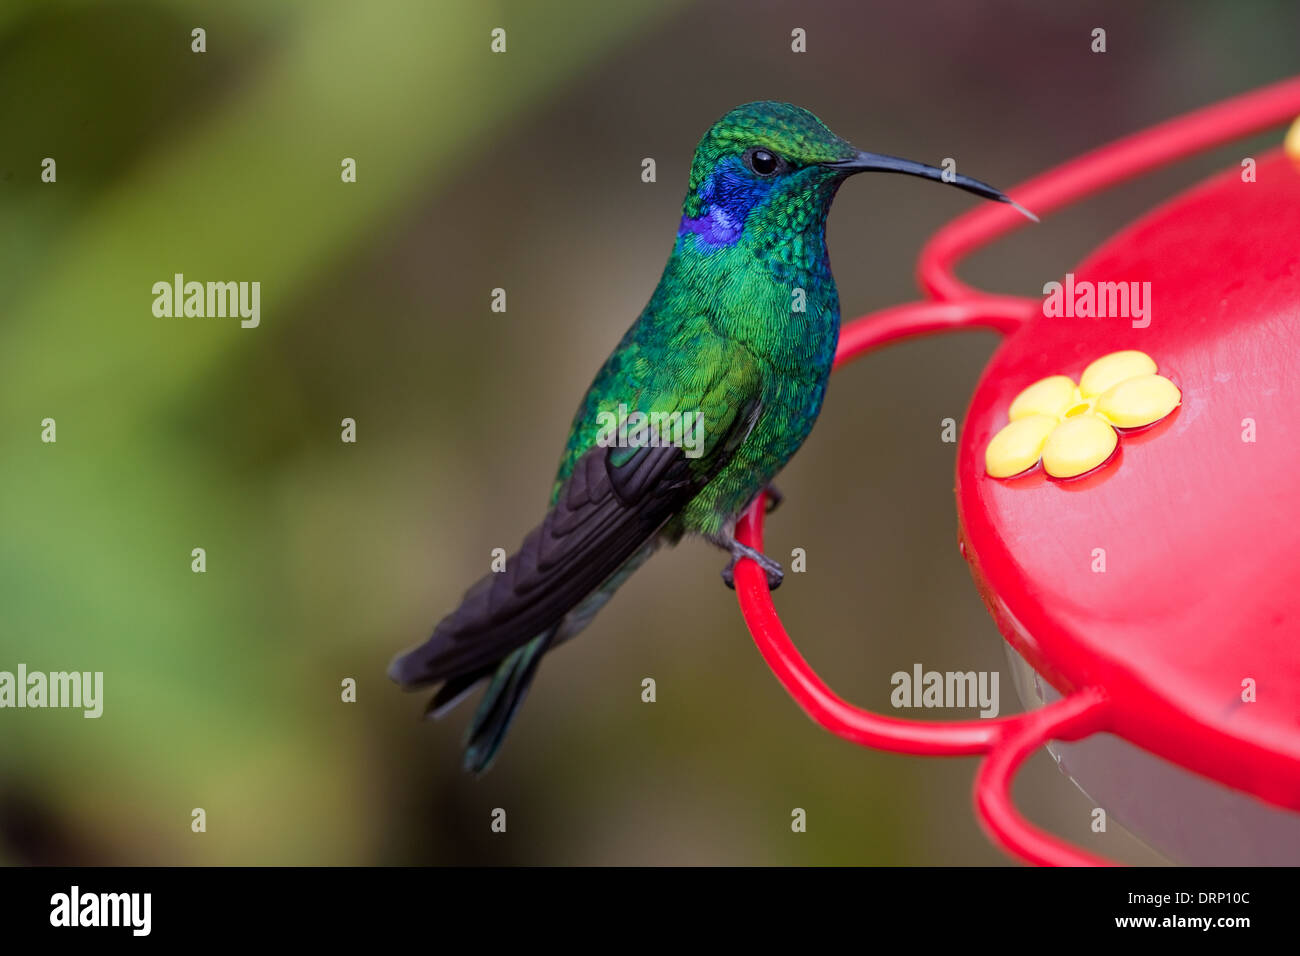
<point>737,342</point>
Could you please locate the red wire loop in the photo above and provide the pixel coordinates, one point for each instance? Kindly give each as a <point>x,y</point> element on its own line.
<point>1069,718</point>
<point>1007,741</point>
<point>1107,166</point>
<point>916,319</point>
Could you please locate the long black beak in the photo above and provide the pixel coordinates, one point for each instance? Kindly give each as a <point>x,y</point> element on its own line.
<point>878,162</point>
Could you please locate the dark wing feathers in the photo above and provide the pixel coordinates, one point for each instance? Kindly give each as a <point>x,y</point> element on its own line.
<point>614,500</point>
<point>604,513</point>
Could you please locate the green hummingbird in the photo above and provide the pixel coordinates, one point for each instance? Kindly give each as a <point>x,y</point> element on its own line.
<point>703,401</point>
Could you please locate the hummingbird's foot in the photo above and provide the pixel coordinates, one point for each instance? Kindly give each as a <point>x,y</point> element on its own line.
<point>774,573</point>
<point>774,498</point>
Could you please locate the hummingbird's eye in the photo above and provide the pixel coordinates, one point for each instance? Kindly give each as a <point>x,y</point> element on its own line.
<point>763,162</point>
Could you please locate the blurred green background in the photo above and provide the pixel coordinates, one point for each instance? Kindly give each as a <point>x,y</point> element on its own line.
<point>222,690</point>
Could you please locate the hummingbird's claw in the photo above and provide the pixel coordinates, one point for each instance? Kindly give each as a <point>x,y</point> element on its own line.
<point>774,499</point>
<point>774,573</point>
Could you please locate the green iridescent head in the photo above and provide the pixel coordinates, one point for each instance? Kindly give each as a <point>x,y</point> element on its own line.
<point>777,166</point>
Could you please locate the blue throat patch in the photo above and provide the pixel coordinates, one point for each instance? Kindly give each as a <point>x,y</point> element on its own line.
<point>728,195</point>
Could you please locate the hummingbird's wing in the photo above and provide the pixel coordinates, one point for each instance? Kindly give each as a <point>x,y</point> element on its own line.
<point>613,502</point>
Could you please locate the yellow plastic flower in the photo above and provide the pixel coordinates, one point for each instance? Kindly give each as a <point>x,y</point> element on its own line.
<point>1072,427</point>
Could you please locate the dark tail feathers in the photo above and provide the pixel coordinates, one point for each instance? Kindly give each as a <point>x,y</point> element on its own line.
<point>497,709</point>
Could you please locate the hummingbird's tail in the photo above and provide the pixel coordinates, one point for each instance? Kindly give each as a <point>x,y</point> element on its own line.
<point>509,686</point>
<point>603,524</point>
<point>509,679</point>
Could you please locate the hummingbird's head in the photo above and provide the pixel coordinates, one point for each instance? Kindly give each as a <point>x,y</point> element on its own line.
<point>773,166</point>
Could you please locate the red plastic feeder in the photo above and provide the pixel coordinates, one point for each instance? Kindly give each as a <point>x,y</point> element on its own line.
<point>1156,597</point>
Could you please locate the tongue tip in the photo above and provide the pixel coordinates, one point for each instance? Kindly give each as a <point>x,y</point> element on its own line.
<point>1021,209</point>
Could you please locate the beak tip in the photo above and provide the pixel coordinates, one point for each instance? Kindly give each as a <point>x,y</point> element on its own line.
<point>863,161</point>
